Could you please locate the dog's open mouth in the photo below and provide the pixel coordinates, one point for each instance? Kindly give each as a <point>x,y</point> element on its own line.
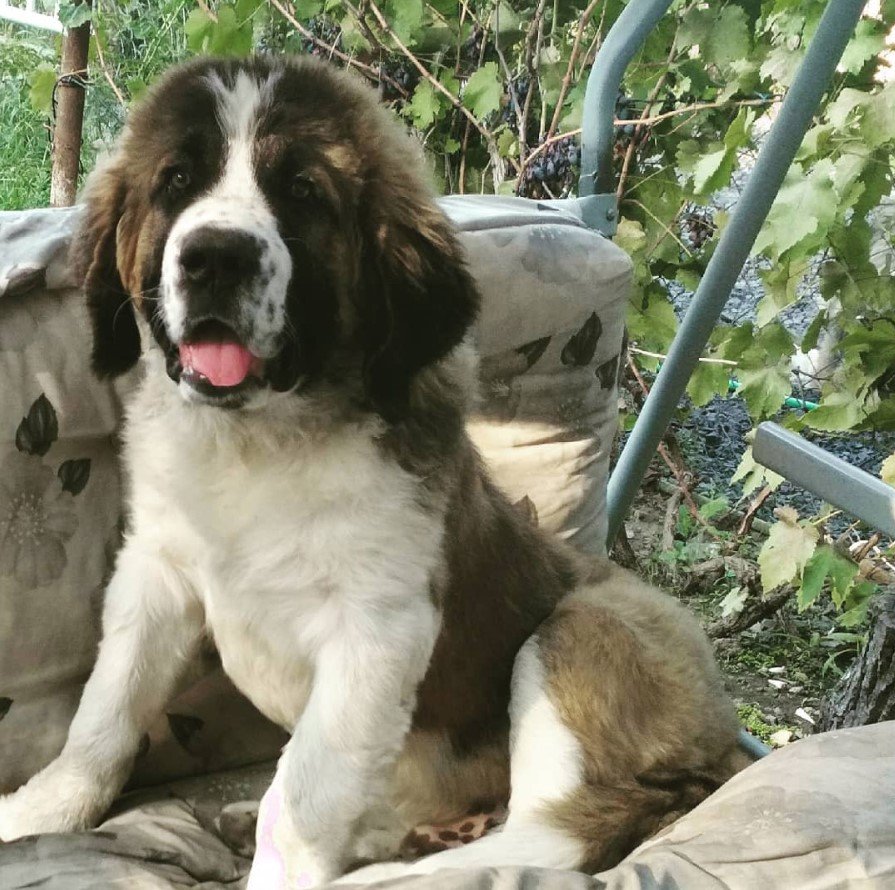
<point>216,363</point>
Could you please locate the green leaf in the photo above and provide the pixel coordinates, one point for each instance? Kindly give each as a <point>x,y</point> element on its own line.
<point>802,213</point>
<point>714,507</point>
<point>713,171</point>
<point>574,105</point>
<point>42,82</point>
<point>708,380</point>
<point>787,550</point>
<point>818,323</point>
<point>878,118</point>
<point>424,107</point>
<point>483,91</point>
<point>307,9</point>
<point>729,39</point>
<point>816,571</point>
<point>405,17</point>
<point>781,283</point>
<point>198,29</point>
<point>868,41</point>
<point>630,236</point>
<point>73,15</point>
<point>753,475</point>
<point>652,322</point>
<point>245,9</point>
<point>887,473</point>
<point>842,573</point>
<point>765,389</point>
<point>839,411</point>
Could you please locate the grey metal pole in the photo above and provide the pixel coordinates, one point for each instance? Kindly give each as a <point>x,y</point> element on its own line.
<point>625,37</point>
<point>835,28</point>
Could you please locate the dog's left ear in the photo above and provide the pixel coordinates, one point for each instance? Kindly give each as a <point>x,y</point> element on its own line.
<point>102,248</point>
<point>421,300</point>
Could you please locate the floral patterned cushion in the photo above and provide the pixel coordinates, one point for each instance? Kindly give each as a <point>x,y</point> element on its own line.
<point>550,334</point>
<point>816,815</point>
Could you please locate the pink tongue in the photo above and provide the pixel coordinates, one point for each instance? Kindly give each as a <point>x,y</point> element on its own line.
<point>223,364</point>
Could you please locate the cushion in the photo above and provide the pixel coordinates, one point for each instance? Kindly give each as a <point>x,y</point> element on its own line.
<point>816,815</point>
<point>550,332</point>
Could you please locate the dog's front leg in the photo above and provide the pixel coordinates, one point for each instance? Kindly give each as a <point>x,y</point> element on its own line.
<point>151,625</point>
<point>339,761</point>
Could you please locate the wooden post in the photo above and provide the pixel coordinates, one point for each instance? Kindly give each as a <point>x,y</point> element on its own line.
<point>69,115</point>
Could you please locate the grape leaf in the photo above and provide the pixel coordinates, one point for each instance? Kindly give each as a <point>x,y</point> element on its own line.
<point>42,82</point>
<point>781,282</point>
<point>483,91</point>
<point>405,17</point>
<point>307,9</point>
<point>842,573</point>
<point>868,40</point>
<point>816,571</point>
<point>887,473</point>
<point>424,107</point>
<point>630,236</point>
<point>708,380</point>
<point>753,474</point>
<point>713,171</point>
<point>728,39</point>
<point>809,341</point>
<point>765,389</point>
<point>198,29</point>
<point>73,15</point>
<point>839,411</point>
<point>652,323</point>
<point>805,207</point>
<point>878,119</point>
<point>787,550</point>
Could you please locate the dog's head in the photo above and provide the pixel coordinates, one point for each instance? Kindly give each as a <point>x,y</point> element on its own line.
<point>269,221</point>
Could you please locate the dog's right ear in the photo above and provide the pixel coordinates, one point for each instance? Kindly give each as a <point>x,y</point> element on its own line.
<point>116,338</point>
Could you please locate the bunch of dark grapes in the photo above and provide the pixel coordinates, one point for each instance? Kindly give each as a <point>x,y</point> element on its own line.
<point>625,110</point>
<point>521,85</point>
<point>553,173</point>
<point>397,71</point>
<point>697,226</point>
<point>325,30</point>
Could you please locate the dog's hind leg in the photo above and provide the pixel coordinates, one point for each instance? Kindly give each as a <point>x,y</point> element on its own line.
<point>619,725</point>
<point>546,767</point>
<point>151,626</point>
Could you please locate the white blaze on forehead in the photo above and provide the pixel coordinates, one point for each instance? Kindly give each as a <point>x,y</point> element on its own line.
<point>236,201</point>
<point>238,109</point>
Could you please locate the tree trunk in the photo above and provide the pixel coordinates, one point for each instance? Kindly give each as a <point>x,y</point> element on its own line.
<point>866,694</point>
<point>69,115</point>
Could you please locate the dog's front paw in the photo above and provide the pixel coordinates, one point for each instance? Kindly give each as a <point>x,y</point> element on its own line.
<point>55,800</point>
<point>282,861</point>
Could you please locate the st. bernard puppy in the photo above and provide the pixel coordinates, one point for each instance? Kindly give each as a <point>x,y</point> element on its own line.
<point>303,493</point>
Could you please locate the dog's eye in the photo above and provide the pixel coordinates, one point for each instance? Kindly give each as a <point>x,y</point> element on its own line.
<point>178,179</point>
<point>302,186</point>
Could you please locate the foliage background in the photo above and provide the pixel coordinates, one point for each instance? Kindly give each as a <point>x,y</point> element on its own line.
<point>494,89</point>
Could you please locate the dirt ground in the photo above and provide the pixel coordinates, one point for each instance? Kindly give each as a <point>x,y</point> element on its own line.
<point>777,671</point>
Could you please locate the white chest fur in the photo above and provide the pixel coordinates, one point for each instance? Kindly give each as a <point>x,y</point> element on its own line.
<point>281,536</point>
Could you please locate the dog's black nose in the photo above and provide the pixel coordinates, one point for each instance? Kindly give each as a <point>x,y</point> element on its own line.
<point>220,260</point>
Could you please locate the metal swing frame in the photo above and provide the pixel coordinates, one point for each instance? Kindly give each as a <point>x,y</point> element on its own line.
<point>839,483</point>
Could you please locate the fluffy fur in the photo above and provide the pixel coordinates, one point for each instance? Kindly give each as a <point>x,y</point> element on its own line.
<point>328,523</point>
